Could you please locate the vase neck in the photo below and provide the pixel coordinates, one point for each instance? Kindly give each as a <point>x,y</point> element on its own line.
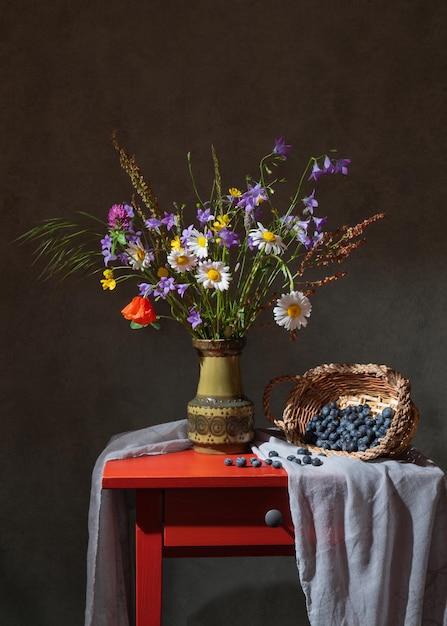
<point>220,374</point>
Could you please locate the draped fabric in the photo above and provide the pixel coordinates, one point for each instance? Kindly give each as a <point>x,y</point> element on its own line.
<point>371,537</point>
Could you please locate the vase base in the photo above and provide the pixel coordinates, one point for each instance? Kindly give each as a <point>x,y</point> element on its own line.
<point>224,448</point>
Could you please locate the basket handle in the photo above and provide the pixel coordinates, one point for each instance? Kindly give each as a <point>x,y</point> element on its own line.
<point>267,393</point>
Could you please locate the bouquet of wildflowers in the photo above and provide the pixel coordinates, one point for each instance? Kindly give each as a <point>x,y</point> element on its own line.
<point>240,254</point>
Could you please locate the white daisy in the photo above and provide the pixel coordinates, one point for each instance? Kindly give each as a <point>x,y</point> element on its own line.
<point>292,310</point>
<point>213,275</point>
<point>139,258</point>
<point>182,260</point>
<point>198,244</point>
<point>265,240</point>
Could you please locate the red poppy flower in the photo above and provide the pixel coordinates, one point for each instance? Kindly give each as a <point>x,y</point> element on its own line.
<point>140,311</point>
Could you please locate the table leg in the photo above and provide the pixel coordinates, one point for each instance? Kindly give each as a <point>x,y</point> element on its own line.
<point>148,558</point>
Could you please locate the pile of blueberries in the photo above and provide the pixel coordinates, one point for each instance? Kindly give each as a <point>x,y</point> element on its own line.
<point>351,429</point>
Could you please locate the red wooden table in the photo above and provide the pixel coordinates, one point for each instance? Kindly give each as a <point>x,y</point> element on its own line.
<point>191,504</point>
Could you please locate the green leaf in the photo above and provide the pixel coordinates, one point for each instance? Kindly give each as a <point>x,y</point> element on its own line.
<point>156,325</point>
<point>136,326</point>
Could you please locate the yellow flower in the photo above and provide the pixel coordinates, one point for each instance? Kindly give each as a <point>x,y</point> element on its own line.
<point>175,243</point>
<point>235,193</point>
<point>162,272</point>
<point>108,282</point>
<point>221,222</point>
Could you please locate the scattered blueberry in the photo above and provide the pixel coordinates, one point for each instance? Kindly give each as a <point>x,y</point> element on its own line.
<point>256,462</point>
<point>291,457</point>
<point>241,461</point>
<point>277,464</point>
<point>302,451</point>
<point>228,461</point>
<point>316,461</point>
<point>273,453</point>
<point>306,459</point>
<point>297,460</point>
<point>268,461</point>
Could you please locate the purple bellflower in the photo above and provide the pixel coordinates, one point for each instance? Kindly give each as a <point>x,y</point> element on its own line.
<point>170,220</point>
<point>252,198</point>
<point>310,203</point>
<point>228,238</point>
<point>204,216</point>
<point>154,224</point>
<point>281,148</point>
<point>106,245</point>
<point>194,318</point>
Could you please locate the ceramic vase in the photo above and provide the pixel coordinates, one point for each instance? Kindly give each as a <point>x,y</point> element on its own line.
<point>220,417</point>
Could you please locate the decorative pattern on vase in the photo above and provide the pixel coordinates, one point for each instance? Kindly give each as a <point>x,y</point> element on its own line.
<point>220,417</point>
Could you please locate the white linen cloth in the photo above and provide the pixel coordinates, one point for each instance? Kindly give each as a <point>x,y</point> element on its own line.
<point>108,560</point>
<point>371,538</point>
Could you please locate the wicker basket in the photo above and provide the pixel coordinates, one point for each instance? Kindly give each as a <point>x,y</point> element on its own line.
<point>376,385</point>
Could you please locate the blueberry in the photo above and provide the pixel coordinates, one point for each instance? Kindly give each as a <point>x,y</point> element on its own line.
<point>273,453</point>
<point>297,460</point>
<point>256,462</point>
<point>316,461</point>
<point>291,457</point>
<point>228,461</point>
<point>277,464</point>
<point>241,461</point>
<point>302,451</point>
<point>306,459</point>
<point>268,461</point>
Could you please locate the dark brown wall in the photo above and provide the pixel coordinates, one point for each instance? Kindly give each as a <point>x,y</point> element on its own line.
<point>366,77</point>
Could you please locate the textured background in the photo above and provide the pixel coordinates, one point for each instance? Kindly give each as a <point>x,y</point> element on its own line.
<point>366,77</point>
